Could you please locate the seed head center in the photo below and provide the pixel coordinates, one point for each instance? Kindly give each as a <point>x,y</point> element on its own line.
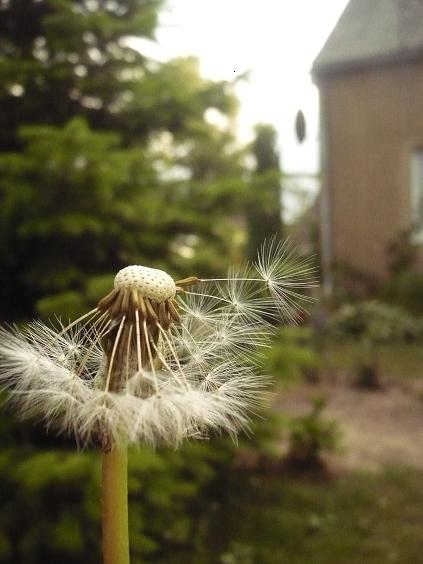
<point>149,282</point>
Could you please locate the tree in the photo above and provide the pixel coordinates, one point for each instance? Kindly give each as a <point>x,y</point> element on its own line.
<point>70,204</point>
<point>59,58</point>
<point>87,182</point>
<point>264,213</point>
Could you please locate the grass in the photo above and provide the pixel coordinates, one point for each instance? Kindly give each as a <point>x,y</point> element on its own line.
<point>362,517</point>
<point>263,518</point>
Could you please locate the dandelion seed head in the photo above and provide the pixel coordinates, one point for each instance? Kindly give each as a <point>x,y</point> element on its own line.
<point>156,361</point>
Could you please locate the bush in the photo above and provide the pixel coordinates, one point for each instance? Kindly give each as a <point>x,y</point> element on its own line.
<point>406,290</point>
<point>374,321</point>
<point>311,436</point>
<point>292,355</point>
<point>367,375</point>
<point>50,499</point>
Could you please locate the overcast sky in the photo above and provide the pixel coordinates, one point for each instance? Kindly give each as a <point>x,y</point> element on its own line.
<point>276,40</point>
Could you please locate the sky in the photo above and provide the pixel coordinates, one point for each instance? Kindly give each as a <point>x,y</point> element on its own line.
<point>277,41</point>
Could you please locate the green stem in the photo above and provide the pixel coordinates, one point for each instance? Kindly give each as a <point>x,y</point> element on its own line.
<point>115,506</point>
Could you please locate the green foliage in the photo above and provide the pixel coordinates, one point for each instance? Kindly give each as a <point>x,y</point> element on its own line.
<point>374,321</point>
<point>262,443</point>
<point>405,289</point>
<point>311,436</point>
<point>238,553</point>
<point>373,518</point>
<point>264,214</point>
<point>50,502</point>
<point>75,206</point>
<point>42,511</point>
<point>173,96</point>
<point>70,305</point>
<point>396,361</point>
<point>106,157</point>
<point>60,58</point>
<point>98,286</point>
<point>369,324</point>
<point>291,355</point>
<point>402,253</point>
<point>66,222</point>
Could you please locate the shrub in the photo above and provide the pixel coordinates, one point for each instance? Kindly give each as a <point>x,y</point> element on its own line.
<point>374,321</point>
<point>406,290</point>
<point>311,436</point>
<point>292,355</point>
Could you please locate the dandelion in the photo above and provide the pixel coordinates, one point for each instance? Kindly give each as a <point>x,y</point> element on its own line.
<point>155,362</point>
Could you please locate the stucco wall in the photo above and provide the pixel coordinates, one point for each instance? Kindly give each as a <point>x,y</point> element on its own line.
<point>372,119</point>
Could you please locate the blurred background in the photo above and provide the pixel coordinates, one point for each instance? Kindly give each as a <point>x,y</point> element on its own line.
<point>180,134</point>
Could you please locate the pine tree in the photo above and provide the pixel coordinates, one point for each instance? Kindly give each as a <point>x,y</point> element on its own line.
<point>93,137</point>
<point>264,209</point>
<point>59,58</point>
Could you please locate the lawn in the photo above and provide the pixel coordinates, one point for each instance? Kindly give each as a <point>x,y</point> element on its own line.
<point>275,519</point>
<point>353,516</point>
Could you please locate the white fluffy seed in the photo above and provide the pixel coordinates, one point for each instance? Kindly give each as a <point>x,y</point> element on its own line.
<point>150,282</point>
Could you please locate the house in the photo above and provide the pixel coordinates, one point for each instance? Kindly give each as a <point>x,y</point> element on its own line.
<point>370,78</point>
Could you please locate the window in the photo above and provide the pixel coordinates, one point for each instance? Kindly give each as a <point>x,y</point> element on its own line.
<point>416,195</point>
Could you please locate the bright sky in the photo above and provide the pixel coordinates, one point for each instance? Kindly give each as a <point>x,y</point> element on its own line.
<point>277,40</point>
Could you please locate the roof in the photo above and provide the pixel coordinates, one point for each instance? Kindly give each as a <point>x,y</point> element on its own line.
<point>370,32</point>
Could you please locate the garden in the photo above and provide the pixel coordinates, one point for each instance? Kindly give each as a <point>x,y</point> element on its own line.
<point>109,158</point>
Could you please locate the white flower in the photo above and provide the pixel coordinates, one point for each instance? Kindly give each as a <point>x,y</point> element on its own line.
<point>156,361</point>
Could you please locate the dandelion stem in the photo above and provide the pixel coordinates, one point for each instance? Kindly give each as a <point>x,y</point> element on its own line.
<point>115,506</point>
